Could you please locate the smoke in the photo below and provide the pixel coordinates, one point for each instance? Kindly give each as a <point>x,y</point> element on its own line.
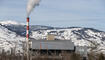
<point>31,4</point>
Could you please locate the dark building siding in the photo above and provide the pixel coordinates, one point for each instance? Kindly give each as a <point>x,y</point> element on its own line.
<point>53,44</point>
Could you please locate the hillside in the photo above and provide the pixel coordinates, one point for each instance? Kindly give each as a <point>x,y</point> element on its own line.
<point>13,34</point>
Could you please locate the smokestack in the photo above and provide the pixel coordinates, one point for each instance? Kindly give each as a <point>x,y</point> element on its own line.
<point>31,4</point>
<point>27,35</point>
<point>27,38</point>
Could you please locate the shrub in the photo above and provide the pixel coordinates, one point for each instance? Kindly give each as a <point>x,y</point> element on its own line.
<point>75,56</point>
<point>101,56</point>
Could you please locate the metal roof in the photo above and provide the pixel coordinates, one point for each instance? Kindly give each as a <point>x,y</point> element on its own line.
<point>53,44</point>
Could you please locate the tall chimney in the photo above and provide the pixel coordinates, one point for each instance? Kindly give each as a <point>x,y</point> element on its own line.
<point>27,33</point>
<point>27,38</point>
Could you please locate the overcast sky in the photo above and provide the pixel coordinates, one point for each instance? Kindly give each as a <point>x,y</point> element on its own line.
<point>58,13</point>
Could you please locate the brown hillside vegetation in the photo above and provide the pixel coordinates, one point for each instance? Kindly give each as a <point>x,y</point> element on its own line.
<point>65,56</point>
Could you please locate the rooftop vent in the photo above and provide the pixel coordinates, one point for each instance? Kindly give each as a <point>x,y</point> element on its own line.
<point>50,37</point>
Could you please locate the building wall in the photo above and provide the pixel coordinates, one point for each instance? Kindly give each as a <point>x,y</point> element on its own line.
<point>53,44</point>
<point>82,50</point>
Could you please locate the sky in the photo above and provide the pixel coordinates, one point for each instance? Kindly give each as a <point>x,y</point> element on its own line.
<point>57,13</point>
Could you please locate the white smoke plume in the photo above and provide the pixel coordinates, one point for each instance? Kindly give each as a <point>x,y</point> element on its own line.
<point>31,4</point>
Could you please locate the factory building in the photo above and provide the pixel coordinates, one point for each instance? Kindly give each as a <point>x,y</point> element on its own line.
<point>57,47</point>
<point>51,46</point>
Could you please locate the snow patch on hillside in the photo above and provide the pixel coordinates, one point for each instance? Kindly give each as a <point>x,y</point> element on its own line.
<point>9,39</point>
<point>10,22</point>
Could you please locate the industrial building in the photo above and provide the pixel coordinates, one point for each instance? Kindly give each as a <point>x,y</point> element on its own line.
<point>52,46</point>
